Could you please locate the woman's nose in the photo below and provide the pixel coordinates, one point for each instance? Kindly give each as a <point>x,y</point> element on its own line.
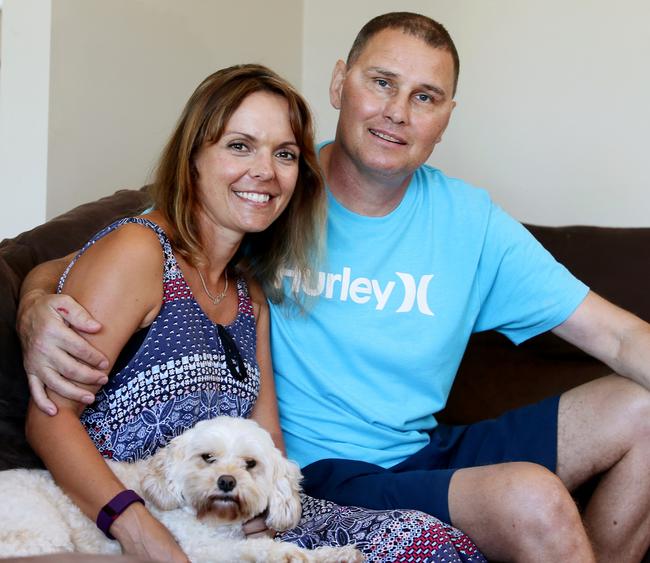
<point>262,168</point>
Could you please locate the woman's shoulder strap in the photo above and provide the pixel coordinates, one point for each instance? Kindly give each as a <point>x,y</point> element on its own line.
<point>171,266</point>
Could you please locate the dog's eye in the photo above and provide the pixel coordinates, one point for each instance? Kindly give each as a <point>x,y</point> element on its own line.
<point>250,463</point>
<point>208,458</point>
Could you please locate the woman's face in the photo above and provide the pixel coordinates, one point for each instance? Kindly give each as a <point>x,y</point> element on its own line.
<point>246,178</point>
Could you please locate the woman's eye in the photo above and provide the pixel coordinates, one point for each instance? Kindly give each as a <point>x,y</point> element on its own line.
<point>286,155</point>
<point>239,147</point>
<point>208,458</point>
<point>250,463</point>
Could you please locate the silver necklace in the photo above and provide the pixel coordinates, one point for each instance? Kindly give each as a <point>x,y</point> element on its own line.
<point>216,299</point>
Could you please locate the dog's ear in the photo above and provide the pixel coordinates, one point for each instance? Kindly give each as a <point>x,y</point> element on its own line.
<point>159,483</point>
<point>284,501</point>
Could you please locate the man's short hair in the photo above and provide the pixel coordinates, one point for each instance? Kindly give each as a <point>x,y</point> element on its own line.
<point>422,27</point>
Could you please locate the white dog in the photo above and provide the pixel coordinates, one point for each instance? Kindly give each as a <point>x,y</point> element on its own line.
<point>203,486</point>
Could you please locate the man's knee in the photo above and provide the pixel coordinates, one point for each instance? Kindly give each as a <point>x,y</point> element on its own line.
<point>528,493</point>
<point>599,422</point>
<point>628,406</point>
<point>539,500</point>
<point>517,509</point>
<point>636,399</point>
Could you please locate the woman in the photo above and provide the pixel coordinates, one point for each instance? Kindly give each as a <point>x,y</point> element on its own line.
<point>238,195</point>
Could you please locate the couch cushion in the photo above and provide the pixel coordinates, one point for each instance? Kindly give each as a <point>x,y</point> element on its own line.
<point>18,256</point>
<point>496,375</point>
<point>13,389</point>
<point>614,262</point>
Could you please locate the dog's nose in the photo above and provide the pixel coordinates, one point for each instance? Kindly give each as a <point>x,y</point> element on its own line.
<point>226,483</point>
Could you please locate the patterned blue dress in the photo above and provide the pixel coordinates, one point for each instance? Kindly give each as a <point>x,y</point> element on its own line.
<point>184,368</point>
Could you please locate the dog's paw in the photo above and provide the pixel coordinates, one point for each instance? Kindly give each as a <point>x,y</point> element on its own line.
<point>264,550</point>
<point>346,554</point>
<point>284,552</point>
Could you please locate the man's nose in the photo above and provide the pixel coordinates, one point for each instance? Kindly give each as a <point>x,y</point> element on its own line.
<point>397,108</point>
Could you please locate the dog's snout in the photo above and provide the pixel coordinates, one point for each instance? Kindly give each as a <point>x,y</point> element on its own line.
<point>226,483</point>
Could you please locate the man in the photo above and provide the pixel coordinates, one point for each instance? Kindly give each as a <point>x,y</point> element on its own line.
<point>417,261</point>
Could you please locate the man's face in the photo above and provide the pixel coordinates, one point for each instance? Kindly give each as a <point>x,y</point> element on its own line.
<point>395,102</point>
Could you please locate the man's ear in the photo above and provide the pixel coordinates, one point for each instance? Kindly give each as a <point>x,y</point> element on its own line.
<point>336,84</point>
<point>453,105</point>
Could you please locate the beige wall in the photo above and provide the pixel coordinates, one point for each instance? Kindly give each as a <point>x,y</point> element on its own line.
<point>24,78</point>
<point>122,70</point>
<point>552,110</point>
<point>553,113</point>
<point>115,80</point>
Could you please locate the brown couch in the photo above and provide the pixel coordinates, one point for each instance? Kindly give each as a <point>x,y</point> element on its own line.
<point>494,376</point>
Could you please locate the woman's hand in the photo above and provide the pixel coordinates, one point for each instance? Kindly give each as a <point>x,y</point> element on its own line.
<point>54,355</point>
<point>257,528</point>
<point>139,533</point>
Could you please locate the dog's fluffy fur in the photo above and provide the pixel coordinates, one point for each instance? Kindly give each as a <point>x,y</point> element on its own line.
<point>203,486</point>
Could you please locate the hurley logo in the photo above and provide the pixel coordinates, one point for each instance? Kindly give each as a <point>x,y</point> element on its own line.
<point>364,290</point>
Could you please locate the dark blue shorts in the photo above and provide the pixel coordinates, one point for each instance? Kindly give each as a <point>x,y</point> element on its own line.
<point>421,482</point>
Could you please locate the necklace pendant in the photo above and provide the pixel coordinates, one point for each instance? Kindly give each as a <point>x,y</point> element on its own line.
<point>216,299</point>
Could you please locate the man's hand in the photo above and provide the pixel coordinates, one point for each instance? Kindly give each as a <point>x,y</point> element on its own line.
<point>53,353</point>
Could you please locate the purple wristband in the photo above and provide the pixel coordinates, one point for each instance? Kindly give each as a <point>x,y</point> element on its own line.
<point>113,508</point>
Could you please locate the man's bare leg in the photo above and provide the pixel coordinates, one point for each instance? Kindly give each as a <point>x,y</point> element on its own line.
<point>604,426</point>
<point>518,512</point>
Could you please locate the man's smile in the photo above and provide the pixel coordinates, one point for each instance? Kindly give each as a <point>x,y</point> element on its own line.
<point>386,137</point>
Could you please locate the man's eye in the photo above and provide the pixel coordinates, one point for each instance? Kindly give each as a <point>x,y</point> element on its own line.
<point>382,83</point>
<point>250,463</point>
<point>424,98</point>
<point>208,458</point>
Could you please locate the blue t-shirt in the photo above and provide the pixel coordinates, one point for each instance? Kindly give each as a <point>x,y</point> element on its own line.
<point>360,376</point>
